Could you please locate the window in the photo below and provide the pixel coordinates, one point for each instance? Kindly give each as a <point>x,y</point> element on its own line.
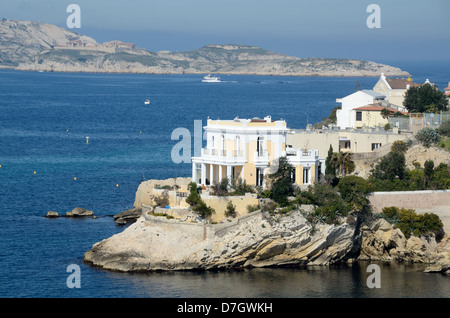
<point>306,176</point>
<point>358,116</point>
<point>376,146</point>
<point>259,146</point>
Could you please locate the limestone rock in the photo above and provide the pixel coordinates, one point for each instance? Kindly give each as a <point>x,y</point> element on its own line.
<point>260,241</point>
<point>128,216</point>
<point>79,212</point>
<point>52,214</point>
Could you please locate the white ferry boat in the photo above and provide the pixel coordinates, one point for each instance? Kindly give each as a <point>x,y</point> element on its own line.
<point>211,79</point>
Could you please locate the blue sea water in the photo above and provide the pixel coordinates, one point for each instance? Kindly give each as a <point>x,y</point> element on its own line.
<point>45,119</point>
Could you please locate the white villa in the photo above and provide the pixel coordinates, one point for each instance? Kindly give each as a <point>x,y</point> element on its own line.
<point>248,149</point>
<point>346,117</point>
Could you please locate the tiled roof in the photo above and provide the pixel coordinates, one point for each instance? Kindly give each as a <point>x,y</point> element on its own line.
<point>400,83</point>
<point>376,108</point>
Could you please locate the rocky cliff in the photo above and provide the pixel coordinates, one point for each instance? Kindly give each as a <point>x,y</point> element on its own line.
<point>26,45</point>
<point>156,243</point>
<point>263,240</point>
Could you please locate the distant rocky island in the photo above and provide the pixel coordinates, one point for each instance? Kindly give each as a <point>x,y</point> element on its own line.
<point>35,46</point>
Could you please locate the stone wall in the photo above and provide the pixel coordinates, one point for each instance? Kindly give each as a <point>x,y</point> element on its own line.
<point>437,202</point>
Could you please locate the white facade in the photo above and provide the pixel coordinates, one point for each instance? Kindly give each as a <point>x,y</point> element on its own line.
<point>247,149</point>
<point>344,118</point>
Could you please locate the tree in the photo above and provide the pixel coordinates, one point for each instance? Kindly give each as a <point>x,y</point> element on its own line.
<point>390,167</point>
<point>354,190</point>
<point>425,98</point>
<point>428,167</point>
<point>330,172</point>
<point>282,182</point>
<point>342,162</point>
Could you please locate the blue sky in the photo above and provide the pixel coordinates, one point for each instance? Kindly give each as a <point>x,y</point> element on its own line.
<point>410,29</point>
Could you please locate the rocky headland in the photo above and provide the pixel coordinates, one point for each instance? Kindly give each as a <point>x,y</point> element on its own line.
<point>263,239</point>
<point>35,46</point>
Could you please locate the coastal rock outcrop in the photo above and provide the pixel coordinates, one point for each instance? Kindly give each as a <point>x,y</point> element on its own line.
<point>155,243</point>
<point>381,241</point>
<point>128,216</point>
<point>79,212</point>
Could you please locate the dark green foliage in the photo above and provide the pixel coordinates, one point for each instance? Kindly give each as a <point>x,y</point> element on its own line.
<point>240,187</point>
<point>425,98</point>
<point>230,210</point>
<point>198,205</point>
<point>390,167</point>
<point>330,172</point>
<point>354,190</point>
<point>221,189</point>
<point>281,186</point>
<point>329,204</point>
<point>411,223</point>
<point>444,128</point>
<point>399,146</point>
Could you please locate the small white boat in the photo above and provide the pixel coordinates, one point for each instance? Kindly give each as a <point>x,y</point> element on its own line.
<point>211,79</point>
<point>147,101</point>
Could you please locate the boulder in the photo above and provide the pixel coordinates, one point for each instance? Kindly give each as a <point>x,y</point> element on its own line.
<point>79,212</point>
<point>128,216</point>
<point>52,214</point>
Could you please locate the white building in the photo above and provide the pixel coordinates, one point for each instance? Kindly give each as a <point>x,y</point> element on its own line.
<point>248,149</point>
<point>344,118</point>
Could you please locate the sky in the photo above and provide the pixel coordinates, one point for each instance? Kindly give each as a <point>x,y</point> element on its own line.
<point>409,29</point>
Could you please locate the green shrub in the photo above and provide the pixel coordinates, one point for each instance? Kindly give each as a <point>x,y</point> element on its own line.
<point>230,210</point>
<point>399,146</point>
<point>428,137</point>
<point>444,128</point>
<point>329,205</point>
<point>411,223</point>
<point>354,190</point>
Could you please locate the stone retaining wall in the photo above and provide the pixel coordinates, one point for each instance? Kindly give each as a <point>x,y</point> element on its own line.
<point>435,201</point>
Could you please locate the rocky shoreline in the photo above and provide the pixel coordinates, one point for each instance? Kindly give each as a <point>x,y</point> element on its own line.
<point>264,240</point>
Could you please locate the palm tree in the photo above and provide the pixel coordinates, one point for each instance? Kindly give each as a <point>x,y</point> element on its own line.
<point>342,161</point>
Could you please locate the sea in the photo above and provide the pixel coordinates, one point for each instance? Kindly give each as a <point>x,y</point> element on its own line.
<point>87,140</point>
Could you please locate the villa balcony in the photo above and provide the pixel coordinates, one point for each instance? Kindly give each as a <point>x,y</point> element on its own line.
<point>223,156</point>
<point>261,158</point>
<point>301,155</point>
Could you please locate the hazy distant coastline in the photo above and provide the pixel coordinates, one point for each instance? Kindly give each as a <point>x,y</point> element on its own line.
<point>34,46</point>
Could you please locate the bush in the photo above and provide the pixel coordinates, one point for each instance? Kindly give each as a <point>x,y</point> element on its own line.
<point>198,205</point>
<point>240,187</point>
<point>231,210</point>
<point>444,128</point>
<point>390,167</point>
<point>354,190</point>
<point>162,200</point>
<point>329,204</point>
<point>399,146</point>
<point>411,223</point>
<point>428,137</point>
<point>253,208</point>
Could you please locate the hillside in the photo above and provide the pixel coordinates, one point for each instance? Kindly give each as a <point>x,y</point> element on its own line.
<point>26,45</point>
